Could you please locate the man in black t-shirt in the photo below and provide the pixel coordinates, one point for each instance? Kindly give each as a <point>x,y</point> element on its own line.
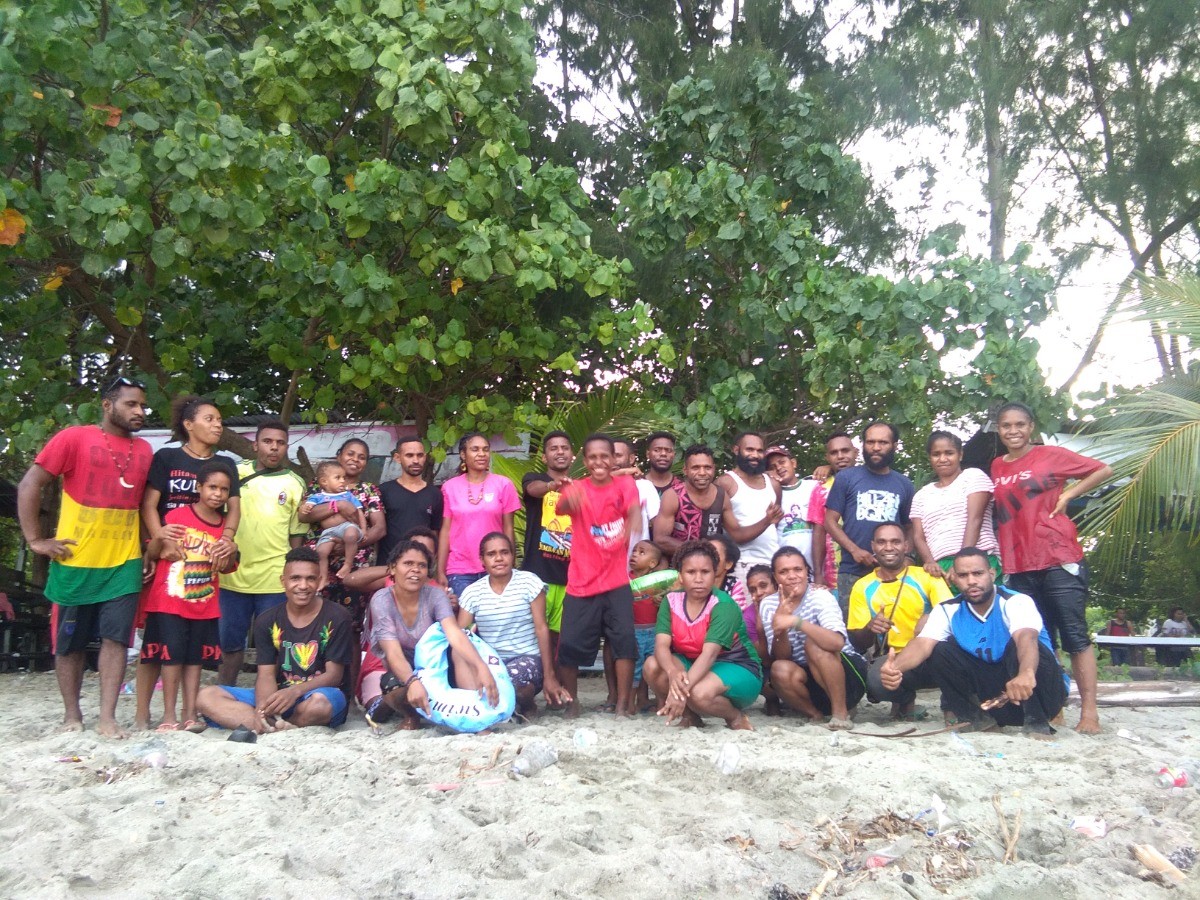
<point>409,501</point>
<point>547,533</point>
<point>304,646</point>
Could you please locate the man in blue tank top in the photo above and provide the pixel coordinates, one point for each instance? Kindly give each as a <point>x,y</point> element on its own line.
<point>987,649</point>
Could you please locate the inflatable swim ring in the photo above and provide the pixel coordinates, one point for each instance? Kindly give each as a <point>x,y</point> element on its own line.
<point>455,708</point>
<point>653,585</point>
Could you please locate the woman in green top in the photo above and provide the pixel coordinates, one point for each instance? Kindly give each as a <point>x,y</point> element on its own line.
<point>703,663</point>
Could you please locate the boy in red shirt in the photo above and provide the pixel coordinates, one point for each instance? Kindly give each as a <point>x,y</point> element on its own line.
<point>605,514</point>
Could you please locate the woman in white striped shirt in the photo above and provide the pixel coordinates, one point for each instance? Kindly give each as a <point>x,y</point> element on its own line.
<point>508,610</point>
<point>953,512</point>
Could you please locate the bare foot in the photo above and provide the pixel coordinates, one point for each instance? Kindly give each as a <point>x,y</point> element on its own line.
<point>1060,719</point>
<point>111,730</point>
<point>70,726</point>
<point>773,707</point>
<point>410,723</point>
<point>836,723</point>
<point>688,720</point>
<point>741,723</point>
<point>573,709</point>
<point>1088,724</point>
<point>282,724</point>
<point>344,571</point>
<point>322,583</point>
<point>141,724</point>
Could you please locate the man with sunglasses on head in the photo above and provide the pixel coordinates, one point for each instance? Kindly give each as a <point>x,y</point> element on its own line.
<point>95,552</point>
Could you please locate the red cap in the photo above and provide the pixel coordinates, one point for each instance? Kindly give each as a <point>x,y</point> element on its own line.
<point>777,451</point>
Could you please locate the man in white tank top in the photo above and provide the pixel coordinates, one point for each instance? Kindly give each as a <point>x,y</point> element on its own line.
<point>754,499</point>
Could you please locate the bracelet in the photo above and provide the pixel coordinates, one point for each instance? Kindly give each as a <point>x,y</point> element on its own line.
<point>411,678</point>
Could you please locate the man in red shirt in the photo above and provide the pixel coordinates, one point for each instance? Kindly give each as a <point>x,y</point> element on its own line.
<point>605,513</point>
<point>95,553</point>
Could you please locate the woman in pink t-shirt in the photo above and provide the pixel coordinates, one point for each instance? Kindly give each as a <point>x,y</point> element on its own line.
<point>476,503</point>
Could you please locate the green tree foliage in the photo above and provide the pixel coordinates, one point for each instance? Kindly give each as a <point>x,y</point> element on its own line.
<point>1084,111</point>
<point>1151,438</point>
<point>291,205</point>
<point>740,239</point>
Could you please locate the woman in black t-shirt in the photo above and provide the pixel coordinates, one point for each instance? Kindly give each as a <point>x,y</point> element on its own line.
<point>196,424</point>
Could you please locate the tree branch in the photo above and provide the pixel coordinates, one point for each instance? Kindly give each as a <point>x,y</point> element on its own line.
<point>289,398</point>
<point>1180,222</point>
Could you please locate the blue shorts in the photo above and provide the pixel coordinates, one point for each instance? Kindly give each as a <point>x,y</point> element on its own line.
<point>336,699</point>
<point>338,533</point>
<point>238,610</point>
<point>644,635</point>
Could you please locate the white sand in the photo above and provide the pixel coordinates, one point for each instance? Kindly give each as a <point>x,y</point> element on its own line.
<point>643,814</point>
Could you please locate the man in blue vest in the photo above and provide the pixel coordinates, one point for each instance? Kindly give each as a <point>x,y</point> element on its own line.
<point>987,649</point>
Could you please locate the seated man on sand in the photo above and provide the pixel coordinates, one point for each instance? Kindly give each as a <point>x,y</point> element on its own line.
<point>303,646</point>
<point>815,669</point>
<point>986,647</point>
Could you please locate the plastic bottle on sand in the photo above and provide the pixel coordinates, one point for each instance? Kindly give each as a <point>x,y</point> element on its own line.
<point>536,756</point>
<point>728,759</point>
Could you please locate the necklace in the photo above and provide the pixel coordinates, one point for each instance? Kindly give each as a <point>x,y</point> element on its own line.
<point>192,453</point>
<point>475,501</point>
<point>121,470</point>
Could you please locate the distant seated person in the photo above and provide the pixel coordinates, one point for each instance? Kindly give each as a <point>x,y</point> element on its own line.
<point>1175,625</point>
<point>346,525</point>
<point>814,669</point>
<point>303,647</point>
<point>987,650</point>
<point>1119,626</point>
<point>703,663</point>
<point>887,607</point>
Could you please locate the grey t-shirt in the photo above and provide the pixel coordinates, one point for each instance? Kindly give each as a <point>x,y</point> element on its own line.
<point>433,605</point>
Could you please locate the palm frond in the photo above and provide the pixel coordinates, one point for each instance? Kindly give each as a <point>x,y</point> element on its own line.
<point>1174,303</point>
<point>1152,441</point>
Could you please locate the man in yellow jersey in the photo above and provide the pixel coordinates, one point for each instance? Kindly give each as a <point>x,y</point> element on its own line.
<point>95,553</point>
<point>271,497</point>
<point>887,606</point>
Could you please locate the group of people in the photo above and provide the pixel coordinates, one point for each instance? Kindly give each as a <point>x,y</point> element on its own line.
<point>813,592</point>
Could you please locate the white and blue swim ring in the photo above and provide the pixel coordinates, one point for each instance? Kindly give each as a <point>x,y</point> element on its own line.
<point>456,708</point>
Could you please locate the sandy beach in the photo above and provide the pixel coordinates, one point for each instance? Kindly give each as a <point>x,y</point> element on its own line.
<point>642,813</point>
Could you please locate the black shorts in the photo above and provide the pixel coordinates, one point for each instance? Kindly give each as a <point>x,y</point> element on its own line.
<point>855,670</point>
<point>175,641</point>
<point>586,619</point>
<point>110,620</point>
<point>1061,599</point>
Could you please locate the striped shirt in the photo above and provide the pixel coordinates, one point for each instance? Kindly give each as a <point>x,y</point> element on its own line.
<point>943,514</point>
<point>820,607</point>
<point>505,620</point>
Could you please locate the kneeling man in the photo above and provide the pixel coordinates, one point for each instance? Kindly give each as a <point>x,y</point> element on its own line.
<point>303,647</point>
<point>987,645</point>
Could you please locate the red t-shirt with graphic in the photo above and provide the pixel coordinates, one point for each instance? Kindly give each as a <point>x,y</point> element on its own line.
<point>187,587</point>
<point>599,537</point>
<point>1027,490</point>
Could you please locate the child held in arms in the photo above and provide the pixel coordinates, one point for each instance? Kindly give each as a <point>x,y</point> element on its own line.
<point>347,527</point>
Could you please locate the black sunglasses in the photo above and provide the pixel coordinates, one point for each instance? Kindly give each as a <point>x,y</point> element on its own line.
<point>122,382</point>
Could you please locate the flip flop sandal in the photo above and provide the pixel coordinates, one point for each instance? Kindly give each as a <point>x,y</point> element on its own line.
<point>167,727</point>
<point>192,726</point>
